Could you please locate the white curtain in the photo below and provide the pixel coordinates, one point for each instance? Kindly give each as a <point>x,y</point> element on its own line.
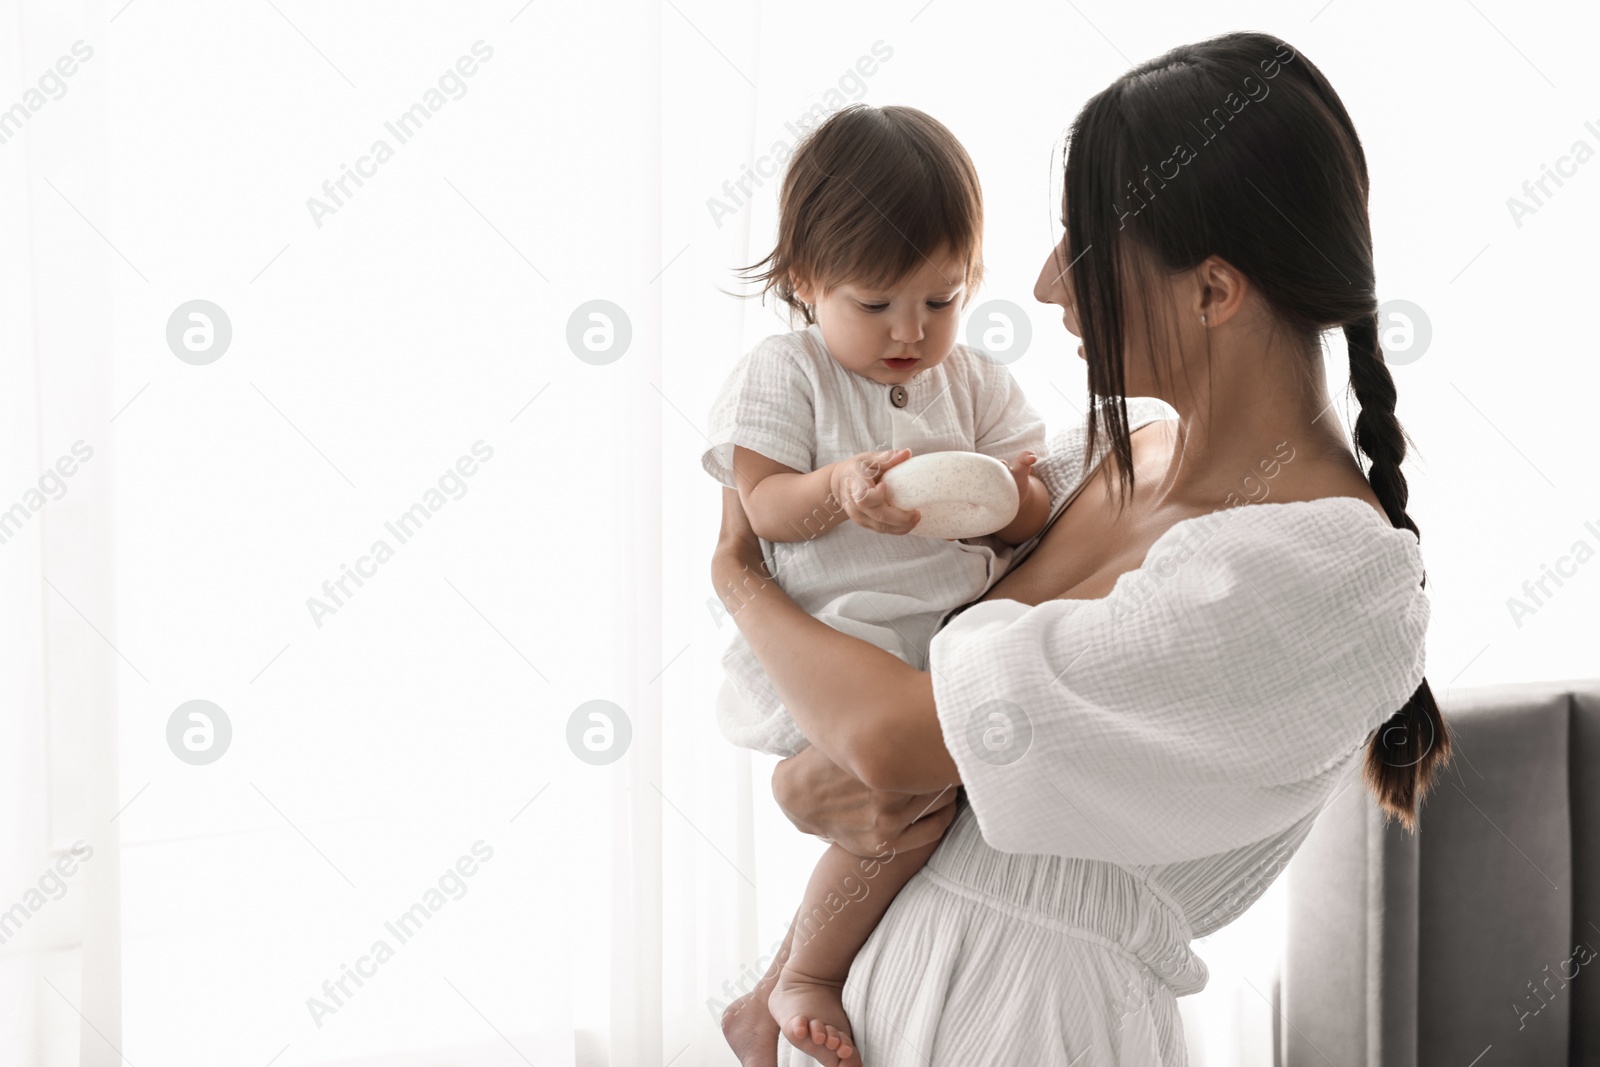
<point>398,857</point>
<point>60,932</point>
<point>423,345</point>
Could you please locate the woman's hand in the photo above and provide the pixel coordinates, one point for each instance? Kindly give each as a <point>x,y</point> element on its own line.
<point>823,799</point>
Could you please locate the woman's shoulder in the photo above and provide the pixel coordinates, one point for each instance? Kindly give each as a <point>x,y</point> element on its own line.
<point>1064,466</point>
<point>1142,410</point>
<point>1323,518</point>
<point>1301,538</point>
<point>1342,583</point>
<point>1308,578</point>
<point>1331,573</point>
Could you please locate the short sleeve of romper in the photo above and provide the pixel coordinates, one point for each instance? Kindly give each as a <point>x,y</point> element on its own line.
<point>1006,423</point>
<point>767,404</point>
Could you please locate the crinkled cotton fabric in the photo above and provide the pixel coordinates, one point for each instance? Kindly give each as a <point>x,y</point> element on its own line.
<point>1182,735</point>
<point>791,401</point>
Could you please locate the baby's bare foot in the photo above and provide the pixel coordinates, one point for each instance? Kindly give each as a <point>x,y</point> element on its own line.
<point>751,1031</point>
<point>811,1012</point>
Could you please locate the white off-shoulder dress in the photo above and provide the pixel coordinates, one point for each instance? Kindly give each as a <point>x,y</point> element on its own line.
<point>1159,755</point>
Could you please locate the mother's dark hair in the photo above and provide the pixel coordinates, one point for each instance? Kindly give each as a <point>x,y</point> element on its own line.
<point>1238,147</point>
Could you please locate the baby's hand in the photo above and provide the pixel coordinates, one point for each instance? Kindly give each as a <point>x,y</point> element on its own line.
<point>1021,468</point>
<point>855,484</point>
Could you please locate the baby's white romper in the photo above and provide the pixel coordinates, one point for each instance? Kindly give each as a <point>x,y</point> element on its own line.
<point>790,401</point>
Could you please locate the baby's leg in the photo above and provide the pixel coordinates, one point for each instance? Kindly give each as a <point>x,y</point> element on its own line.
<point>844,901</point>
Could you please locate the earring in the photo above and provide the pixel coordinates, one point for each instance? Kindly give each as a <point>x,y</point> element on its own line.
<point>1202,318</point>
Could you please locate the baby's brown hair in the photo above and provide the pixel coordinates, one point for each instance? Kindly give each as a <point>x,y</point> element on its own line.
<point>869,195</point>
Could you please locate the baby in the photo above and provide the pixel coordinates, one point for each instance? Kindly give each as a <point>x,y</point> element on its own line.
<point>879,247</point>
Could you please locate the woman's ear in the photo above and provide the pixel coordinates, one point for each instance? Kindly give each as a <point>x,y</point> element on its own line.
<point>1219,291</point>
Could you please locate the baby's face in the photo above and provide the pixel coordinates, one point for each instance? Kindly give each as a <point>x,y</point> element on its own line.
<point>892,334</point>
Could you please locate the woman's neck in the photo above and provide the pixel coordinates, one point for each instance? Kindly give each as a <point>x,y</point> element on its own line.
<point>1233,422</point>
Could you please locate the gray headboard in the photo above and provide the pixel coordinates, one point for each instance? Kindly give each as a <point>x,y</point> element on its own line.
<point>1480,935</point>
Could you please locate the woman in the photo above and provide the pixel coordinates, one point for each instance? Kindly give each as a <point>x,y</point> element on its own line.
<point>1222,620</point>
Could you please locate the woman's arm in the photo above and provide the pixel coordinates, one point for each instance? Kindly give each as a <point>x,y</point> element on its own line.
<point>823,799</point>
<point>868,711</point>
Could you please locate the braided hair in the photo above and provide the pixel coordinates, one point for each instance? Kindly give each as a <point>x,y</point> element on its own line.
<point>1408,749</point>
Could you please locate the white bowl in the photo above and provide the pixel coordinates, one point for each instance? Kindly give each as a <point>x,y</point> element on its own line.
<point>960,494</point>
